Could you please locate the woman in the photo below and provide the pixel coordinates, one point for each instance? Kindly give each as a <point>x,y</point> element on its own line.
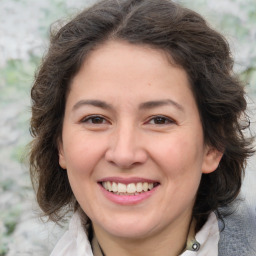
<point>136,122</point>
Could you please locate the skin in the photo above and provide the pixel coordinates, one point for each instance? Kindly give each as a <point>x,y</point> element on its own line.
<point>130,138</point>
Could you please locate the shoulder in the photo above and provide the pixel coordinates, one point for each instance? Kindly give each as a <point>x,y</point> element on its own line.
<point>74,241</point>
<point>239,235</point>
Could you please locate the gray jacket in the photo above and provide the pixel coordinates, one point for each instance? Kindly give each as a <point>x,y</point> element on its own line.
<point>239,236</point>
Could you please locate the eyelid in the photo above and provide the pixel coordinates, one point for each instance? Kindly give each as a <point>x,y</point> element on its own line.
<point>169,119</point>
<point>90,117</point>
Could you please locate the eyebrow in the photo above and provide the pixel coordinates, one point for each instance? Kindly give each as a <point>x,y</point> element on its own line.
<point>96,103</point>
<point>160,103</point>
<point>145,105</point>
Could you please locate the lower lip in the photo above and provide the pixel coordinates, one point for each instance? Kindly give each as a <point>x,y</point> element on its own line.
<point>128,200</point>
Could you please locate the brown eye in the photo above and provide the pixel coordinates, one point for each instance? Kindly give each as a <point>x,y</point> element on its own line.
<point>94,120</point>
<point>158,120</point>
<point>97,120</point>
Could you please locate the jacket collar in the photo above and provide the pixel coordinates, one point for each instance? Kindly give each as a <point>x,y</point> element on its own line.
<point>75,241</point>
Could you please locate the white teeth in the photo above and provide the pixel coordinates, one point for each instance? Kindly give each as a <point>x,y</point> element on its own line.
<point>121,188</point>
<point>139,187</point>
<point>114,187</point>
<point>104,184</point>
<point>145,186</point>
<point>109,186</point>
<point>150,186</point>
<point>131,188</point>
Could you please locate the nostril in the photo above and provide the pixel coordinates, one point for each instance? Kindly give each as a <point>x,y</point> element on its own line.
<point>124,161</point>
<point>124,158</point>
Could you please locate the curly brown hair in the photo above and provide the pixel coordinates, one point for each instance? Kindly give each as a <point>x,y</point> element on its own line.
<point>191,43</point>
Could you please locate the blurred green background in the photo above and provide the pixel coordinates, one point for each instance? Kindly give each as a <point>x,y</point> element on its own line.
<point>24,31</point>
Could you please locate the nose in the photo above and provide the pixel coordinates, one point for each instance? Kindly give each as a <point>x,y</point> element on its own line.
<point>125,149</point>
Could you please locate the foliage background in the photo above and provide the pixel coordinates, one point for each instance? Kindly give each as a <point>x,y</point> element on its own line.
<point>24,30</point>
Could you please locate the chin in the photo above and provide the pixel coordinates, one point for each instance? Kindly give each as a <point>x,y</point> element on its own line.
<point>129,229</point>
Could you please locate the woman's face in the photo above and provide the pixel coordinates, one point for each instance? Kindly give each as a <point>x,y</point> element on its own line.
<point>132,141</point>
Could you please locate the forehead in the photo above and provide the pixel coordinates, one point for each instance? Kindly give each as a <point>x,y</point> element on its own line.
<point>118,55</point>
<point>137,71</point>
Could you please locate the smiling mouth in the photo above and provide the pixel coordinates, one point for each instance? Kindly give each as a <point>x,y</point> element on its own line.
<point>131,189</point>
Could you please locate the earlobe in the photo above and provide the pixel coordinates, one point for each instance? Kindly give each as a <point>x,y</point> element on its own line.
<point>62,161</point>
<point>212,159</point>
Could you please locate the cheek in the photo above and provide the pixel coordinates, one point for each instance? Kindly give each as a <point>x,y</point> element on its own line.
<point>81,159</point>
<point>180,154</point>
<point>81,155</point>
<point>183,168</point>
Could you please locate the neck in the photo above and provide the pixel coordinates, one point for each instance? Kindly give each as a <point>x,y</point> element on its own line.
<point>168,242</point>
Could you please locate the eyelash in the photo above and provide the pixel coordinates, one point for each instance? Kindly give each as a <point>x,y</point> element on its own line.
<point>163,120</point>
<point>100,120</point>
<point>89,119</point>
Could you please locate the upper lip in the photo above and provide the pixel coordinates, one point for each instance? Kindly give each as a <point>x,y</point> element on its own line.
<point>127,180</point>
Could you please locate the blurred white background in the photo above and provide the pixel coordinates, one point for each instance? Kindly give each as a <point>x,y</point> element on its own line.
<point>24,30</point>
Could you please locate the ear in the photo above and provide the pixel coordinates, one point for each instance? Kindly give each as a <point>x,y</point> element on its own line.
<point>212,159</point>
<point>62,160</point>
